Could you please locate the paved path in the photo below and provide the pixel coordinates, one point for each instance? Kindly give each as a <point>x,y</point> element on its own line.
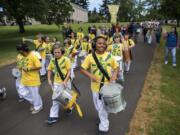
<point>15,118</point>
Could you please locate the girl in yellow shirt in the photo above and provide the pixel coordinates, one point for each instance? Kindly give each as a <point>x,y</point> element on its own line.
<point>116,50</point>
<point>128,44</point>
<point>30,79</point>
<point>71,53</point>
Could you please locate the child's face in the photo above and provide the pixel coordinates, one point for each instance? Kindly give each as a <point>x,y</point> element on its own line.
<point>57,53</point>
<point>117,39</point>
<point>100,45</point>
<point>126,36</point>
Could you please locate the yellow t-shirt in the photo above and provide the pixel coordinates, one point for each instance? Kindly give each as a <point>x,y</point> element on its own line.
<point>86,47</point>
<point>80,35</point>
<point>43,51</point>
<point>48,47</point>
<point>75,42</point>
<point>69,51</point>
<point>91,36</point>
<point>108,63</point>
<point>127,43</point>
<point>64,65</point>
<point>20,61</point>
<point>116,49</point>
<point>109,40</point>
<point>31,78</point>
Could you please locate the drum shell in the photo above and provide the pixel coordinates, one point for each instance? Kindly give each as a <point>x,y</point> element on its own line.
<point>64,97</point>
<point>112,98</point>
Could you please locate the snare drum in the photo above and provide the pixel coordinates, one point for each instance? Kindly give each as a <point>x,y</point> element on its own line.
<point>16,72</point>
<point>112,97</point>
<point>67,98</point>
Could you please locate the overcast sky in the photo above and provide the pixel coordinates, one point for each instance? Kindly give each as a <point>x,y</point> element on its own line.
<point>94,3</point>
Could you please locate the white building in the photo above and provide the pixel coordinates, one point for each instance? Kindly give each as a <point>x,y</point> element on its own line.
<point>80,14</point>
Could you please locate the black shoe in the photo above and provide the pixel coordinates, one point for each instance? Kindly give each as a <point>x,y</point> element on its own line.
<point>102,132</point>
<point>69,112</point>
<point>51,120</point>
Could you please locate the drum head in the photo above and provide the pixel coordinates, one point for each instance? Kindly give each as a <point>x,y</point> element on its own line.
<point>111,89</point>
<point>16,72</point>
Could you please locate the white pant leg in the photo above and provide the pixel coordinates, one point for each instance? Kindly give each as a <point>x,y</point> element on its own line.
<point>37,101</point>
<point>17,87</point>
<point>54,111</point>
<point>72,71</point>
<point>102,113</point>
<point>43,68</point>
<point>25,93</point>
<point>121,70</point>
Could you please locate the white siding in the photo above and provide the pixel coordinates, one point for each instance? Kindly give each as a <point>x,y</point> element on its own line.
<point>79,14</point>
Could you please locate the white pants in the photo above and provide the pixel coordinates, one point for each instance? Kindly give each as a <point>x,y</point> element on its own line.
<point>18,86</point>
<point>75,61</point>
<point>121,70</point>
<point>127,65</point>
<point>54,111</point>
<point>43,68</point>
<point>102,113</point>
<point>73,66</point>
<point>31,94</point>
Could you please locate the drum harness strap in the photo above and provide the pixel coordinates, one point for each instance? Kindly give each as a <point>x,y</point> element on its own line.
<point>105,74</point>
<point>77,90</point>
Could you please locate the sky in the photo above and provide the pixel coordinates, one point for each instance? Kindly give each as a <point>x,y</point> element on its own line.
<point>94,4</point>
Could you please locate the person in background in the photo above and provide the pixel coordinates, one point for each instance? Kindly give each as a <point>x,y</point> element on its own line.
<point>171,45</point>
<point>128,44</point>
<point>41,49</point>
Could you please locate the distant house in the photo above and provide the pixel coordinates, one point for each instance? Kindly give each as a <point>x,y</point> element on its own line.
<point>79,15</point>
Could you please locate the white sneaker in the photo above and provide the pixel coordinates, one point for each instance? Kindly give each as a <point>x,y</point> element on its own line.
<point>166,62</point>
<point>36,111</point>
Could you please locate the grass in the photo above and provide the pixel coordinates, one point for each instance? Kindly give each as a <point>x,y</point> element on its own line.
<point>9,37</point>
<point>167,120</point>
<point>158,109</point>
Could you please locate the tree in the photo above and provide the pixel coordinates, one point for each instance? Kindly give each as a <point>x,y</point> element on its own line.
<point>94,16</point>
<point>83,3</point>
<point>126,9</point>
<point>40,10</point>
<point>171,9</point>
<point>104,10</point>
<point>59,11</point>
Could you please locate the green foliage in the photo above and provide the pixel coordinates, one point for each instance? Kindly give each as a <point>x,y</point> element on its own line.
<point>171,9</point>
<point>83,3</point>
<point>52,11</point>
<point>58,12</point>
<point>104,12</point>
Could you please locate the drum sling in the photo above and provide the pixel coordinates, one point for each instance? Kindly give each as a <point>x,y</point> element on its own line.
<point>105,74</point>
<point>73,101</point>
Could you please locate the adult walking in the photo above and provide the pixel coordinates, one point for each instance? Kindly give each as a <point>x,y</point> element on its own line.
<point>171,45</point>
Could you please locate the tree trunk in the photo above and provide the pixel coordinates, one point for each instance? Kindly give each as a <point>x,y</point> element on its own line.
<point>21,26</point>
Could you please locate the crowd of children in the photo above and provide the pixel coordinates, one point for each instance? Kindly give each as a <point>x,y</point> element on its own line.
<point>111,45</point>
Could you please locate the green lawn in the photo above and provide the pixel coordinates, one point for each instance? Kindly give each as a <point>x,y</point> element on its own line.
<point>167,119</point>
<point>9,36</point>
